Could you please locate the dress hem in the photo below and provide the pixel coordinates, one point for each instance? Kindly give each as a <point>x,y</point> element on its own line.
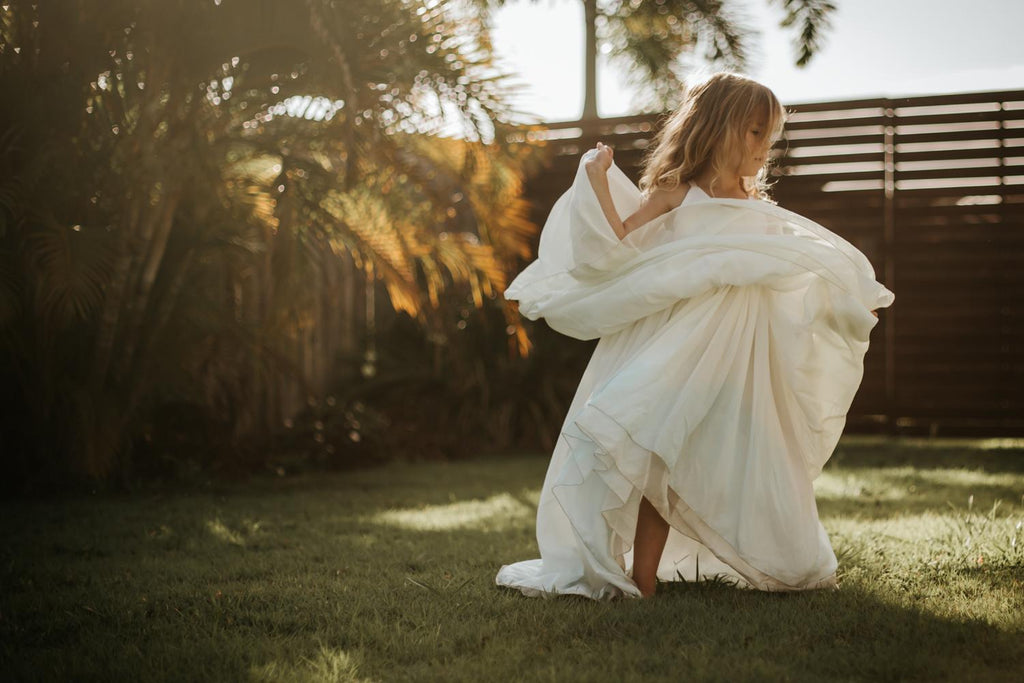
<point>651,482</point>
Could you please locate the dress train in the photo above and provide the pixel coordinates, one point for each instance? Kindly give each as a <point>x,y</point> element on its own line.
<point>732,336</point>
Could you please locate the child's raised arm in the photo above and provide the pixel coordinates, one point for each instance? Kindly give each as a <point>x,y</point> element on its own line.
<point>597,172</point>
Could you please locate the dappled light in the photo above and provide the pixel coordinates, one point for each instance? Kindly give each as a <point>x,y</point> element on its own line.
<point>908,483</point>
<point>497,512</point>
<point>221,531</point>
<point>324,665</point>
<point>241,213</point>
<point>280,405</point>
<point>387,574</point>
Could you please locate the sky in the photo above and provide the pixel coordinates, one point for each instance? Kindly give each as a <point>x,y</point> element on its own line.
<point>875,48</point>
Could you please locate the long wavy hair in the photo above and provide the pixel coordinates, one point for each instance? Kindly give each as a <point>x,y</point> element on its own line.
<point>709,130</point>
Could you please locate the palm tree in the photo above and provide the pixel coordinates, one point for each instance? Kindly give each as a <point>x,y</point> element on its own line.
<point>188,188</point>
<point>648,38</point>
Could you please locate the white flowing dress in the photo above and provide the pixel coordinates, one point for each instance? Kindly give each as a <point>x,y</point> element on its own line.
<point>732,338</point>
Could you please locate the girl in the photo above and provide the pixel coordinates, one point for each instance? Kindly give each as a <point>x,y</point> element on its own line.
<point>732,336</point>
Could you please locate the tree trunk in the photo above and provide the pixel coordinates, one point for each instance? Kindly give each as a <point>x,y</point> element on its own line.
<point>590,59</point>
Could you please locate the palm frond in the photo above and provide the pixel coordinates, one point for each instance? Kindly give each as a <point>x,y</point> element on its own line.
<point>71,265</point>
<point>651,39</point>
<point>812,18</point>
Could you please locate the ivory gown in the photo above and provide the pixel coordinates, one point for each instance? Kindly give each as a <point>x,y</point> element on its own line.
<point>732,338</point>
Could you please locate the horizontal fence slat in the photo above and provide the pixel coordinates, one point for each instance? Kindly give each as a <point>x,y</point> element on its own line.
<point>873,138</point>
<point>853,121</point>
<point>789,162</point>
<point>955,117</point>
<point>916,100</point>
<point>963,172</point>
<point>905,137</point>
<point>902,122</point>
<point>945,155</point>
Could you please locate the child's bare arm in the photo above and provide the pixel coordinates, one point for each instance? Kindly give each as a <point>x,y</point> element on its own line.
<point>599,180</point>
<point>597,172</point>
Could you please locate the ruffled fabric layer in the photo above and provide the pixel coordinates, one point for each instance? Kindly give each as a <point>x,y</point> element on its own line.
<point>732,336</point>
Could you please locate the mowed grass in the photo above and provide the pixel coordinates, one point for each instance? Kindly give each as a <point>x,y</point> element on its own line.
<point>388,575</point>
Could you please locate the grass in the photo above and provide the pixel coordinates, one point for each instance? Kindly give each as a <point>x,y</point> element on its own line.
<point>388,575</point>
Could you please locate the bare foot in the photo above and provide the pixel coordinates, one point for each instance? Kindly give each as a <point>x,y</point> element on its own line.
<point>646,590</point>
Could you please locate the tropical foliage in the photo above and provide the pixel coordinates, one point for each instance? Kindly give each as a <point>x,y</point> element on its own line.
<point>656,42</point>
<point>199,200</point>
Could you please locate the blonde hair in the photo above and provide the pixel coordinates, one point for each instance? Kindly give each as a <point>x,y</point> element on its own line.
<point>708,130</point>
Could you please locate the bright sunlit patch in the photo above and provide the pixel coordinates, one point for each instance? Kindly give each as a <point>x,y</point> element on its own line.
<point>959,533</point>
<point>827,150</point>
<point>327,664</point>
<point>897,483</point>
<point>947,108</point>
<point>830,115</point>
<point>991,444</point>
<point>555,134</point>
<point>813,133</point>
<point>979,200</point>
<point>936,183</point>
<point>221,531</point>
<point>851,185</point>
<point>822,169</point>
<point>947,145</point>
<point>307,107</point>
<point>964,478</point>
<point>967,443</point>
<point>949,127</point>
<point>836,486</point>
<point>942,164</point>
<point>501,508</point>
<point>914,527</point>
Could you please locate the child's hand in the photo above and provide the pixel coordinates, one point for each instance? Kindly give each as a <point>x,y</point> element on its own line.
<point>602,161</point>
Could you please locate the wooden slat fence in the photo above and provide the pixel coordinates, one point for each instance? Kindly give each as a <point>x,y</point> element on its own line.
<point>931,189</point>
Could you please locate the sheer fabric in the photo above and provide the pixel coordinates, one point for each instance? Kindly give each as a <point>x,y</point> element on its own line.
<point>732,336</point>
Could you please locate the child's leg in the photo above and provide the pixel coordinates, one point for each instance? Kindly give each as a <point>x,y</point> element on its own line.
<point>651,534</point>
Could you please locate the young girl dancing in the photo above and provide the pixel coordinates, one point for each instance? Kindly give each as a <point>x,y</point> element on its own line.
<point>732,334</point>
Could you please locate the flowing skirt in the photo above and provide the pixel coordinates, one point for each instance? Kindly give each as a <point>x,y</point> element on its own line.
<point>732,336</point>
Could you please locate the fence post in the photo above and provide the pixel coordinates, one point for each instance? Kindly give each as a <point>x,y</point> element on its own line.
<point>889,240</point>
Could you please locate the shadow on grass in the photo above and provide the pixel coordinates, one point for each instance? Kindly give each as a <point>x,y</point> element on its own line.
<point>885,505</point>
<point>927,457</point>
<point>388,574</point>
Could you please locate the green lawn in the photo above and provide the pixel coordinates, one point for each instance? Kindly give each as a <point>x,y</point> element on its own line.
<point>388,575</point>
